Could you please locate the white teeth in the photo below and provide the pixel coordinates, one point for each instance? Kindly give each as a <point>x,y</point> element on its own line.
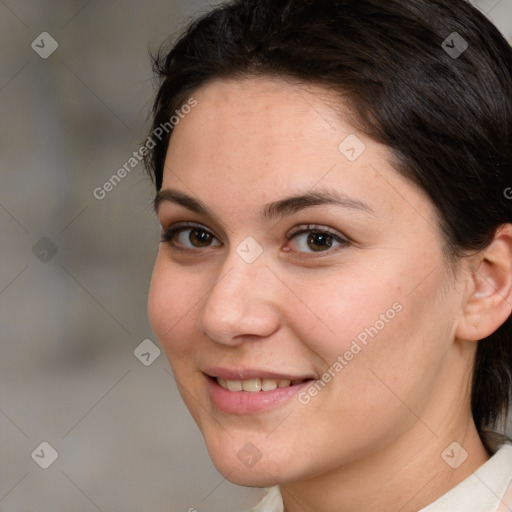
<point>234,385</point>
<point>268,384</point>
<point>253,385</point>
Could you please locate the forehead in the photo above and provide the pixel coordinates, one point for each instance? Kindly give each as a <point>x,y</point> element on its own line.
<point>260,110</point>
<point>257,139</point>
<point>262,125</point>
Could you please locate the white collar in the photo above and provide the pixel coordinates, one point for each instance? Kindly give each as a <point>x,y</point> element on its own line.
<point>488,489</point>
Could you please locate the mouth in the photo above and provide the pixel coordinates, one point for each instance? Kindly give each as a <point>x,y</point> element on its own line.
<point>244,392</point>
<point>258,384</point>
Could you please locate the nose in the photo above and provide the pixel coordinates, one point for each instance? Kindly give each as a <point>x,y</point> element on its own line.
<point>242,304</point>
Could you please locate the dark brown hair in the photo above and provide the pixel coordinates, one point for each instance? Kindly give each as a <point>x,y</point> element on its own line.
<point>443,109</point>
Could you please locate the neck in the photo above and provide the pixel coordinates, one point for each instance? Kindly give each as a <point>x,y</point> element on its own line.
<point>407,476</point>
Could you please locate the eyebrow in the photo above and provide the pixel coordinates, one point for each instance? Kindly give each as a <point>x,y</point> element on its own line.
<point>274,210</point>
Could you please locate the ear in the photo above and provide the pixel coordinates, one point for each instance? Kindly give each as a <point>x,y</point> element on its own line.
<point>489,300</point>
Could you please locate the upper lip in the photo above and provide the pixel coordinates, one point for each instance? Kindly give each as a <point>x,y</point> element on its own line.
<point>251,373</point>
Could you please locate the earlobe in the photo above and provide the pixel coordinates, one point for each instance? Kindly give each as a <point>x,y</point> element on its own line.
<point>489,301</point>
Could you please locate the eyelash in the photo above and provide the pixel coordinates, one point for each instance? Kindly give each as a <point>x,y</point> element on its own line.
<point>169,235</point>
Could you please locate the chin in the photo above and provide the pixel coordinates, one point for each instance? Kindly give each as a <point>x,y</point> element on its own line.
<point>249,478</point>
<point>249,467</point>
<point>257,476</point>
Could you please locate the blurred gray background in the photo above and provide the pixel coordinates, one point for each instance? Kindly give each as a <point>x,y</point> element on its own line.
<point>75,270</point>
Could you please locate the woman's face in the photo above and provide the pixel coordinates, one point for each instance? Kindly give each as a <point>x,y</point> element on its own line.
<point>310,260</point>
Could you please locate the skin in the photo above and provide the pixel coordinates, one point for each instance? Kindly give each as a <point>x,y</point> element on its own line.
<point>373,438</point>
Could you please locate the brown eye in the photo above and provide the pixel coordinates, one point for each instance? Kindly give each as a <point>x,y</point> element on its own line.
<point>312,239</point>
<point>320,241</point>
<point>199,238</point>
<point>189,237</point>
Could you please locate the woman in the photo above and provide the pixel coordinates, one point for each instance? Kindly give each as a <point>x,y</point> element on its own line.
<point>333,289</point>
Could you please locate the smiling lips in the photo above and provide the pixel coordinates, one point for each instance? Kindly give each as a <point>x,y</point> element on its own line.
<point>252,391</point>
<point>255,385</point>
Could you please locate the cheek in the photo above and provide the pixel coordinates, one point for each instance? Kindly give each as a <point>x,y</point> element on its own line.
<point>348,307</point>
<point>171,302</point>
<point>378,328</point>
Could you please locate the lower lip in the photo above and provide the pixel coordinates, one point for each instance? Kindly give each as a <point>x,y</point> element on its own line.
<point>247,402</point>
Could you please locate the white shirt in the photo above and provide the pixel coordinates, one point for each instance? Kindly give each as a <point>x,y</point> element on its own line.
<point>488,489</point>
